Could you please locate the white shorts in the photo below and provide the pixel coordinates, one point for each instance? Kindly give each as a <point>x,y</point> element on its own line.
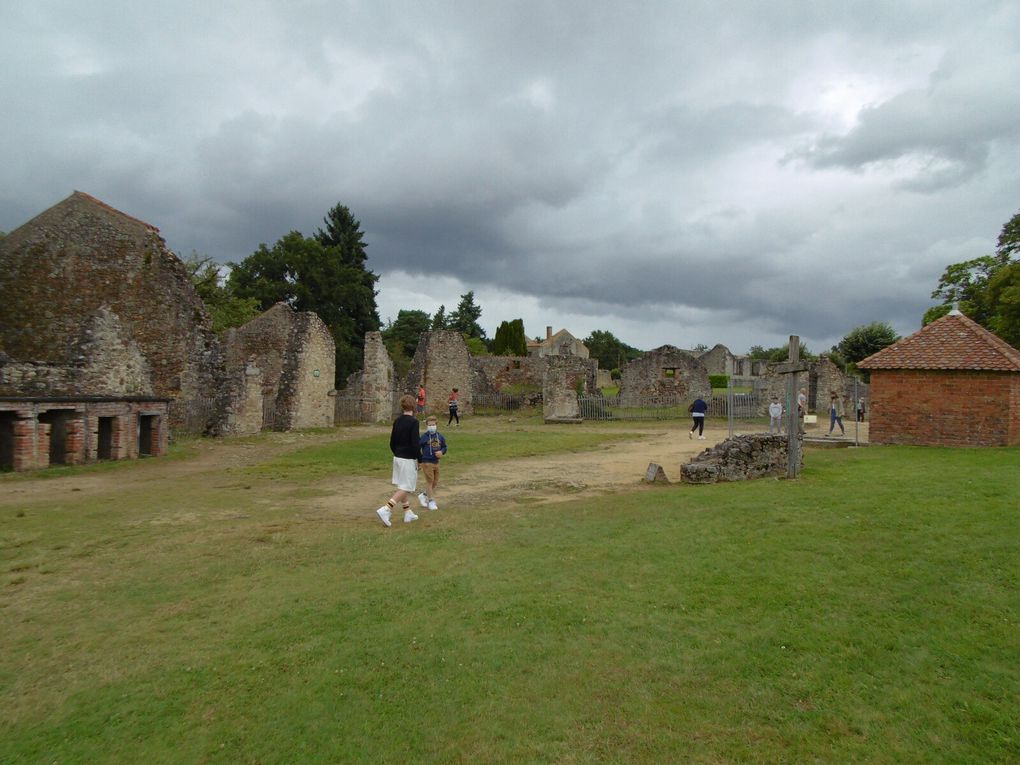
<point>405,473</point>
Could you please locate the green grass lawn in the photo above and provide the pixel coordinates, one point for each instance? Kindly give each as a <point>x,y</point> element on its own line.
<point>867,612</point>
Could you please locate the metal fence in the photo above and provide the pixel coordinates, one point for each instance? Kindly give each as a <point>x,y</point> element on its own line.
<point>497,403</point>
<point>742,406</point>
<point>191,417</point>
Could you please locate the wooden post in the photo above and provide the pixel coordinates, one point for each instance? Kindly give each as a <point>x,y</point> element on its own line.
<point>791,369</point>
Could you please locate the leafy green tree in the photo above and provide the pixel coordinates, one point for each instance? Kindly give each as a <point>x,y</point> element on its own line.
<point>439,321</point>
<point>510,339</point>
<point>986,288</point>
<point>476,346</point>
<point>779,353</point>
<point>465,318</point>
<point>311,276</point>
<point>406,331</point>
<point>862,341</point>
<point>225,309</point>
<point>611,352</point>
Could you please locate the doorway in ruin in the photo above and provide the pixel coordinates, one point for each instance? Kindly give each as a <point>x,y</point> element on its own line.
<point>57,419</point>
<point>105,445</point>
<point>7,440</point>
<point>146,428</point>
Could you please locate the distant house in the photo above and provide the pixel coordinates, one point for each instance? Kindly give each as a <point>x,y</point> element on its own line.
<point>560,344</point>
<point>952,383</point>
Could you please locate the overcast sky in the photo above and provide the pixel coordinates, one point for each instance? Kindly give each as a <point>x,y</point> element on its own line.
<point>674,172</point>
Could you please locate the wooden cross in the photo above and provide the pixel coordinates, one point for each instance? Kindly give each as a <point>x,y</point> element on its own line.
<point>792,368</point>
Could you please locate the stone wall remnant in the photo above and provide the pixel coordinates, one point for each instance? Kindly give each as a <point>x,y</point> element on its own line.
<point>740,458</point>
<point>664,372</point>
<point>295,353</point>
<point>441,363</point>
<point>565,378</point>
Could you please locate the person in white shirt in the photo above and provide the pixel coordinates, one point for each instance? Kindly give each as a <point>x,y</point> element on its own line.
<point>775,416</point>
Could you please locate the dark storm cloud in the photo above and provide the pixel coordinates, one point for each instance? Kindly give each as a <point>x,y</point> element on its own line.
<point>736,172</point>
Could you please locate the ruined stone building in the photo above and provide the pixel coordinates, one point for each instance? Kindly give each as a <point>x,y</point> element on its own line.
<point>665,372</point>
<point>101,330</point>
<point>282,364</point>
<point>721,361</point>
<point>821,379</point>
<point>92,302</point>
<point>99,327</point>
<point>441,363</point>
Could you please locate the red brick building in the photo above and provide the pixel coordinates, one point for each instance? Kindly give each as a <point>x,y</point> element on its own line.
<point>952,383</point>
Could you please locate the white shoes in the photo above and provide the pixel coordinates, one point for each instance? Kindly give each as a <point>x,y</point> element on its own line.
<point>408,516</point>
<point>701,438</point>
<point>384,515</point>
<point>690,434</point>
<point>433,505</point>
<point>423,500</point>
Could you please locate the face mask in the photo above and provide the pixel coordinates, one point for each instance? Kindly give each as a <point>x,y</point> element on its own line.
<point>432,428</point>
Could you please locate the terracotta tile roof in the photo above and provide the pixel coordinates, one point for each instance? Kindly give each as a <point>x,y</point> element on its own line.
<point>952,342</point>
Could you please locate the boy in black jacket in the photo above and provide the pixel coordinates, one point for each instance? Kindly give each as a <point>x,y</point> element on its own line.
<point>404,445</point>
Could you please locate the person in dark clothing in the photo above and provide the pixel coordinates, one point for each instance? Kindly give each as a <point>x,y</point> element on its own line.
<point>698,410</point>
<point>454,402</point>
<point>404,444</point>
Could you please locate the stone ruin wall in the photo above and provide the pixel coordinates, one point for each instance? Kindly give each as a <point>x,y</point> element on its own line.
<point>740,458</point>
<point>295,359</point>
<point>494,373</point>
<point>441,363</point>
<point>371,394</point>
<point>646,377</point>
<point>59,270</point>
<point>565,377</point>
<point>821,377</point>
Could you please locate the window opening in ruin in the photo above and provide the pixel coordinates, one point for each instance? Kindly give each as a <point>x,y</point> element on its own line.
<point>57,419</point>
<point>146,428</point>
<point>517,364</point>
<point>105,446</point>
<point>813,391</point>
<point>669,372</point>
<point>7,440</point>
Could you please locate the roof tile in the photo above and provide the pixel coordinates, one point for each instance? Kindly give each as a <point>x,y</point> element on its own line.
<point>952,342</point>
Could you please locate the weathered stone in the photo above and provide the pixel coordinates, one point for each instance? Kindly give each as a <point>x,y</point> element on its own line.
<point>738,459</point>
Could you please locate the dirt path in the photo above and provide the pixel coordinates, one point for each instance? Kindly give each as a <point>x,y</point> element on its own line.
<point>544,479</point>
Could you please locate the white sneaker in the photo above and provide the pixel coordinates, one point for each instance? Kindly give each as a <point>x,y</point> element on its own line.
<point>433,505</point>
<point>690,434</point>
<point>384,515</point>
<point>409,516</point>
<point>423,500</point>
<point>701,438</point>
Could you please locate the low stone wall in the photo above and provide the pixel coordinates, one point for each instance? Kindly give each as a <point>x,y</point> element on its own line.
<point>739,459</point>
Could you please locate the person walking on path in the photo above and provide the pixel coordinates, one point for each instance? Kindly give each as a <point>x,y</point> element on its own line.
<point>421,400</point>
<point>431,448</point>
<point>404,439</point>
<point>775,416</point>
<point>835,414</point>
<point>697,411</point>
<point>860,410</point>
<point>454,404</point>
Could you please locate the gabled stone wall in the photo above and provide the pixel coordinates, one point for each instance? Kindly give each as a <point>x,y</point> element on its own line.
<point>82,258</point>
<point>441,363</point>
<point>295,355</point>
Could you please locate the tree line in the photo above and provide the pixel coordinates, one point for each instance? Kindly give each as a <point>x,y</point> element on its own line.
<point>328,273</point>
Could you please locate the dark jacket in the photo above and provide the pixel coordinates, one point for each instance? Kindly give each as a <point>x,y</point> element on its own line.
<point>404,437</point>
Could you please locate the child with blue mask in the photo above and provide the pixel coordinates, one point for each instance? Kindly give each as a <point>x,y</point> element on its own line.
<point>431,448</point>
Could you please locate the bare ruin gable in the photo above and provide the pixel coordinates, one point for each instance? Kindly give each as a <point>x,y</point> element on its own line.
<point>295,358</point>
<point>441,363</point>
<point>819,381</point>
<point>80,258</point>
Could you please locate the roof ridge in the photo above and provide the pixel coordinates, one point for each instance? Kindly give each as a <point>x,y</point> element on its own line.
<point>112,209</point>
